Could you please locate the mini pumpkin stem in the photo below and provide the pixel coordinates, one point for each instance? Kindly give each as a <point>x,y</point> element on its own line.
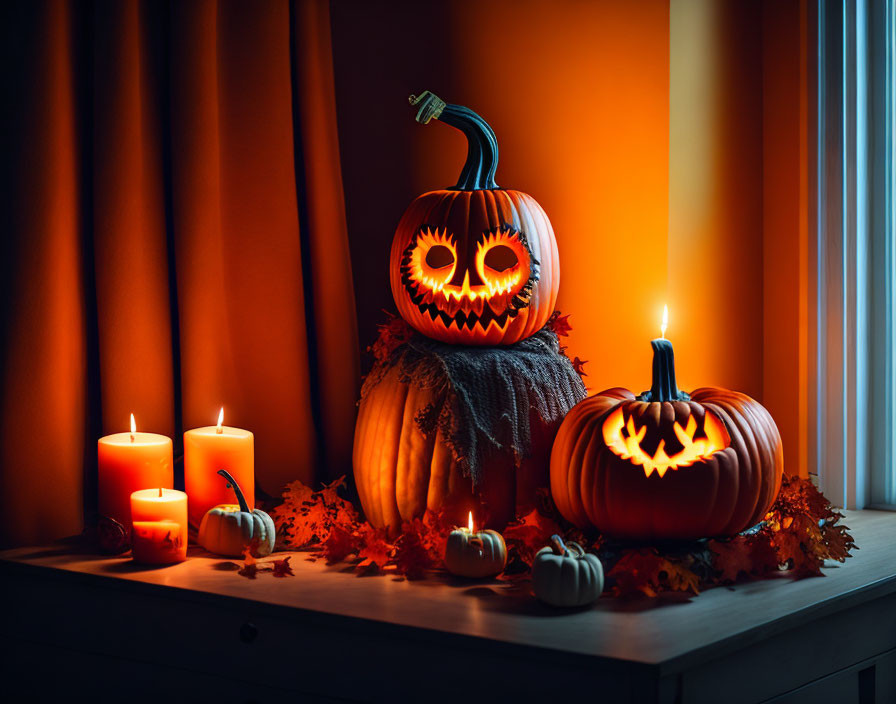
<point>231,482</point>
<point>558,545</point>
<point>663,387</point>
<point>479,169</point>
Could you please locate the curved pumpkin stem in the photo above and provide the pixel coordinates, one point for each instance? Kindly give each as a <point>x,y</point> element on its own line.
<point>558,546</point>
<point>231,482</point>
<point>664,387</point>
<point>478,173</point>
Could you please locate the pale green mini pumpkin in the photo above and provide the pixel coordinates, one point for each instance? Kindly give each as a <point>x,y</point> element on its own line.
<point>228,528</point>
<point>565,575</point>
<point>477,555</point>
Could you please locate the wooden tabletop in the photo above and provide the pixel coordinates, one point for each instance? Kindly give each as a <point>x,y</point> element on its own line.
<point>669,634</point>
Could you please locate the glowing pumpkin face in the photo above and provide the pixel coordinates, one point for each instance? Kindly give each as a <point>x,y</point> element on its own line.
<point>474,264</point>
<point>666,465</point>
<point>470,285</point>
<point>693,442</point>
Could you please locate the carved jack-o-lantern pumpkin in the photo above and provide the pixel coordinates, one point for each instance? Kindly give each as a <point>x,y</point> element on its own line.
<point>665,464</point>
<point>474,264</point>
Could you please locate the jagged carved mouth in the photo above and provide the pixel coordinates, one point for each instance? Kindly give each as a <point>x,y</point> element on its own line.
<point>492,291</point>
<point>693,443</point>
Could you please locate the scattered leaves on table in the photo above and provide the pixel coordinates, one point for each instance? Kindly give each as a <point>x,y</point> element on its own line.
<point>799,533</point>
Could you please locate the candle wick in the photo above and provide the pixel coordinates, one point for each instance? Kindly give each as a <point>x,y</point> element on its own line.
<point>160,492</point>
<point>132,437</point>
<point>219,430</point>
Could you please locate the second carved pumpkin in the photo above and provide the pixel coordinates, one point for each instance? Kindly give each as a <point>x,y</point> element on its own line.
<point>474,264</point>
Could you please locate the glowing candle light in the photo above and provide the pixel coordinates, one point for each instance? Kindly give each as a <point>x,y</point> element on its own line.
<point>214,447</point>
<point>475,554</point>
<point>130,461</point>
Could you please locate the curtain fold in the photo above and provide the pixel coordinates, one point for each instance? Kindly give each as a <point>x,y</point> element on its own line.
<point>178,243</point>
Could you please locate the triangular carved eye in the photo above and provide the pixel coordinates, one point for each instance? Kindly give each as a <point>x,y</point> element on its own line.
<point>439,256</point>
<point>500,258</point>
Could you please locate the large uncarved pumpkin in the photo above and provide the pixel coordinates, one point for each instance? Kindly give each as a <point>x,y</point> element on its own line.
<point>400,472</point>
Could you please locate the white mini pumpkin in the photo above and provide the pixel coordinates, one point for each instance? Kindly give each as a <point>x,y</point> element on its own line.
<point>565,575</point>
<point>477,555</point>
<point>227,529</point>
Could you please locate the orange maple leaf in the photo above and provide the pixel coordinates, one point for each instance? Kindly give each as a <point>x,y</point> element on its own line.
<point>282,568</point>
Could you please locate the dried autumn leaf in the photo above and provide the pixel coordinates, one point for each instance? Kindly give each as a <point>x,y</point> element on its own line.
<point>530,534</point>
<point>732,558</point>
<point>559,324</point>
<point>375,550</point>
<point>579,366</point>
<point>679,577</point>
<point>637,571</point>
<point>411,557</point>
<point>838,542</point>
<point>340,543</point>
<point>282,567</point>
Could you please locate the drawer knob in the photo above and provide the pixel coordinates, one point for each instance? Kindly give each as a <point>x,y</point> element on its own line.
<point>248,632</point>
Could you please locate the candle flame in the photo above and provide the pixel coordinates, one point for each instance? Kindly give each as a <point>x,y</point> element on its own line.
<point>665,322</point>
<point>470,522</point>
<point>133,427</point>
<point>220,428</point>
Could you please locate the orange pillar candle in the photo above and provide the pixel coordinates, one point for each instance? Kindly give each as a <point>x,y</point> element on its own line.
<point>160,526</point>
<point>214,447</point>
<point>131,461</point>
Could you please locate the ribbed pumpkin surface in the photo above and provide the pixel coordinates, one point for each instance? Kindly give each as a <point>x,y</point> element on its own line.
<point>400,473</point>
<point>724,494</point>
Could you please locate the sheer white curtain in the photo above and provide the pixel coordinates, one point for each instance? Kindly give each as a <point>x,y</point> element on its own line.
<point>855,291</point>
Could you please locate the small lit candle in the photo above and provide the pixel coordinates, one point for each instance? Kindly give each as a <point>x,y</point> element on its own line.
<point>214,447</point>
<point>469,553</point>
<point>160,526</point>
<point>131,461</point>
<point>663,386</point>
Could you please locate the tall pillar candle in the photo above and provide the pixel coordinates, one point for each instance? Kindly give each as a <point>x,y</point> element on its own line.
<point>128,462</point>
<point>159,518</point>
<point>208,449</point>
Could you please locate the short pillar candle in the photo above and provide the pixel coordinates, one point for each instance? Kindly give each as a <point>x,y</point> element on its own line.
<point>159,517</point>
<point>127,462</point>
<point>208,449</point>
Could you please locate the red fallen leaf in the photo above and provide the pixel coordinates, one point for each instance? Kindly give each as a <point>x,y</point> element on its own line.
<point>340,543</point>
<point>559,324</point>
<point>391,335</point>
<point>250,564</point>
<point>412,558</point>
<point>763,556</point>
<point>678,577</point>
<point>790,549</point>
<point>579,366</point>
<point>282,567</point>
<point>306,516</point>
<point>435,534</point>
<point>375,550</point>
<point>637,571</point>
<point>838,542</point>
<point>113,536</point>
<point>531,534</point>
<point>732,557</point>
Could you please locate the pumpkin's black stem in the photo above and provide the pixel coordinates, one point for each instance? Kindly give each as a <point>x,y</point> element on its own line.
<point>664,387</point>
<point>231,482</point>
<point>478,173</point>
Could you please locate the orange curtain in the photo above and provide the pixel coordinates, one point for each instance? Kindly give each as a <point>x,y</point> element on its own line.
<point>176,241</point>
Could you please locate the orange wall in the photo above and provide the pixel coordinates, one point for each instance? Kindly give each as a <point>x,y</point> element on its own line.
<point>715,194</point>
<point>577,93</point>
<point>664,141</point>
<point>786,224</point>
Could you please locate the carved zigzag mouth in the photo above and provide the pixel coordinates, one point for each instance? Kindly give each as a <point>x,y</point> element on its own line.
<point>468,308</point>
<point>465,318</point>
